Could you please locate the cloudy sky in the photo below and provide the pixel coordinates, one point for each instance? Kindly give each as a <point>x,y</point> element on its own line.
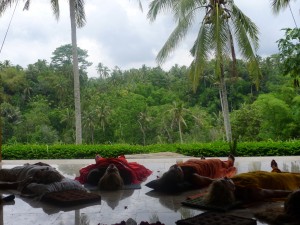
<point>118,33</point>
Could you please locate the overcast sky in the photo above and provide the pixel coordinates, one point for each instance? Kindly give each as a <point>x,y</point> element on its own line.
<point>118,33</point>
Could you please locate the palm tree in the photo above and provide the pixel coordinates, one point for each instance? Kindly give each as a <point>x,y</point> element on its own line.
<point>99,69</point>
<point>102,113</point>
<point>77,17</point>
<point>143,120</point>
<point>178,112</point>
<point>89,123</point>
<point>222,22</point>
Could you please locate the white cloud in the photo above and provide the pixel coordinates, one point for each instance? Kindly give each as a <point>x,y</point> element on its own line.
<point>118,33</point>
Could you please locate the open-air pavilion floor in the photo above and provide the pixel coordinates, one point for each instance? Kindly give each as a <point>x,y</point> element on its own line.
<point>139,204</point>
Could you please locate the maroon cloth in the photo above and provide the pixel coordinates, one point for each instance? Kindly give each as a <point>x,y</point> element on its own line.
<point>138,172</point>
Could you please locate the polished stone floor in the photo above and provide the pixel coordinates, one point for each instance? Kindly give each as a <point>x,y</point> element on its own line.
<point>139,204</point>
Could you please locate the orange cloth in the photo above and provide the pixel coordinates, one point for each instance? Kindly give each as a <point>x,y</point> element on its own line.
<point>213,168</point>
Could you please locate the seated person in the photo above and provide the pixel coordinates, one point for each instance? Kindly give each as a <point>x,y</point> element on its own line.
<point>274,167</point>
<point>184,175</point>
<point>36,179</point>
<point>112,173</point>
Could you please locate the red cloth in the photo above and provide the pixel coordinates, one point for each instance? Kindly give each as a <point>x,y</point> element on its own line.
<point>213,168</point>
<point>138,172</point>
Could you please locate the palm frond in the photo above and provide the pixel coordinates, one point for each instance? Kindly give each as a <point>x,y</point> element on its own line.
<point>200,51</point>
<point>241,20</point>
<point>140,5</point>
<point>278,5</point>
<point>243,41</point>
<point>176,36</point>
<point>184,8</point>
<point>6,4</point>
<point>233,54</point>
<point>158,6</point>
<point>246,34</point>
<point>27,5</point>
<point>219,29</point>
<point>247,51</point>
<point>80,13</point>
<point>55,8</point>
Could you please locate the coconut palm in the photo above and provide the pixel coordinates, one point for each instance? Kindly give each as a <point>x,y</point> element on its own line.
<point>222,26</point>
<point>143,120</point>
<point>178,112</point>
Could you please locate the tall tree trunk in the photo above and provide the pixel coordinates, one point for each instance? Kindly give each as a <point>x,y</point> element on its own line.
<point>224,105</point>
<point>1,122</point>
<point>76,75</point>
<point>1,129</point>
<point>143,132</point>
<point>180,132</point>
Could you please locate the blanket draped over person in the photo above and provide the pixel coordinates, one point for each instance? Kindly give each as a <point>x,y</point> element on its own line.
<point>213,168</point>
<point>187,175</point>
<point>251,187</point>
<point>36,180</point>
<point>138,173</point>
<point>268,180</point>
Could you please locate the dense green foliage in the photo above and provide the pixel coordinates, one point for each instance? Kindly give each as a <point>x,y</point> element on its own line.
<point>143,106</point>
<point>290,54</point>
<point>212,149</point>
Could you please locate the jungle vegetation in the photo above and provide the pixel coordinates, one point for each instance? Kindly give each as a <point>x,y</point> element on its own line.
<point>146,105</point>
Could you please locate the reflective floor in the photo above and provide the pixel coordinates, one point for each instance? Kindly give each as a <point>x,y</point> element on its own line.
<point>139,204</point>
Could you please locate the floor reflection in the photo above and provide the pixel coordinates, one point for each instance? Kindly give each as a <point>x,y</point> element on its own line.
<point>113,199</point>
<point>53,209</point>
<point>139,204</point>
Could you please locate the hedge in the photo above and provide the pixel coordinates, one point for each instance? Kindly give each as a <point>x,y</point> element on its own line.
<point>213,149</point>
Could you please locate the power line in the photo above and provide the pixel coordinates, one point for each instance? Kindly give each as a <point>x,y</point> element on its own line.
<point>293,15</point>
<point>8,27</point>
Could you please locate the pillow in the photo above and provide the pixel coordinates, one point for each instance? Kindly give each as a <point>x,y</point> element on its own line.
<point>63,185</point>
<point>157,185</point>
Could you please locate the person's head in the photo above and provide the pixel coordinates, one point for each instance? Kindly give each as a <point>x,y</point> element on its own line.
<point>220,192</point>
<point>292,204</point>
<point>111,180</point>
<point>47,176</point>
<point>274,164</point>
<point>231,160</point>
<point>173,176</point>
